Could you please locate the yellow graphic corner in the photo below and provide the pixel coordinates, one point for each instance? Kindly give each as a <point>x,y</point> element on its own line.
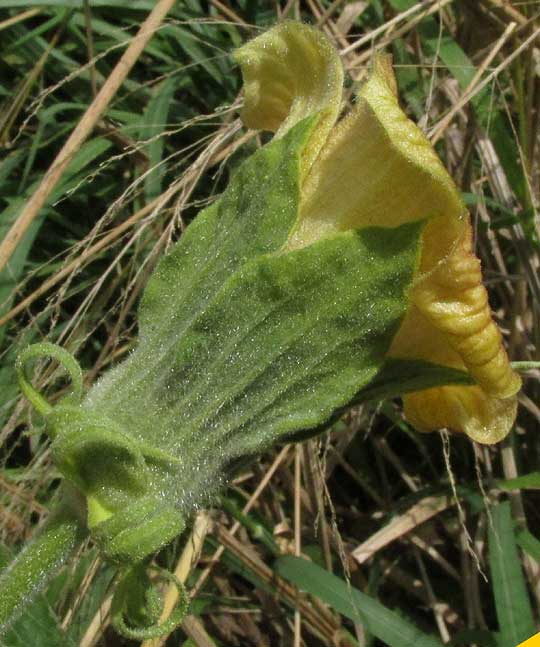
<point>534,641</point>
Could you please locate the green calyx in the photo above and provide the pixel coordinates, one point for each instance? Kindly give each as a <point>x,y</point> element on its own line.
<point>117,474</point>
<point>122,480</point>
<point>139,530</point>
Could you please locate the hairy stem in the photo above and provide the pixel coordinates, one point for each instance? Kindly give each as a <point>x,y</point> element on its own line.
<point>39,561</point>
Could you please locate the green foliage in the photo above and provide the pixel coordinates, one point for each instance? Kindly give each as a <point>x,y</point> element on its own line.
<point>514,611</point>
<point>41,623</point>
<point>358,607</point>
<point>34,566</point>
<point>526,482</point>
<point>166,114</point>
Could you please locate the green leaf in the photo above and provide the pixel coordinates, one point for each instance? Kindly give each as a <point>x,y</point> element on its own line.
<point>155,122</point>
<point>189,43</point>
<point>39,627</point>
<point>526,482</point>
<point>253,217</point>
<point>94,595</point>
<point>387,625</point>
<point>512,602</point>
<point>40,624</point>
<point>395,378</point>
<point>86,155</point>
<point>529,543</point>
<point>256,528</point>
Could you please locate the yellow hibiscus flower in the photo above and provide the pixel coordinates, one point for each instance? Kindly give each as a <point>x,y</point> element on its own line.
<point>375,167</point>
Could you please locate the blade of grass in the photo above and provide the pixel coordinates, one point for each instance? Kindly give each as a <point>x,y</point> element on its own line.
<point>525,482</point>
<point>155,120</point>
<point>512,601</point>
<point>383,623</point>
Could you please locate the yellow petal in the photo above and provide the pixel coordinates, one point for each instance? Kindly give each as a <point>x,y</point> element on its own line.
<point>486,418</point>
<point>451,296</point>
<point>290,72</point>
<point>419,338</point>
<point>377,169</point>
<point>466,409</point>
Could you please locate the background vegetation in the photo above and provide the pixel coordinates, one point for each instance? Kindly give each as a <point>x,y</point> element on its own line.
<point>444,534</point>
